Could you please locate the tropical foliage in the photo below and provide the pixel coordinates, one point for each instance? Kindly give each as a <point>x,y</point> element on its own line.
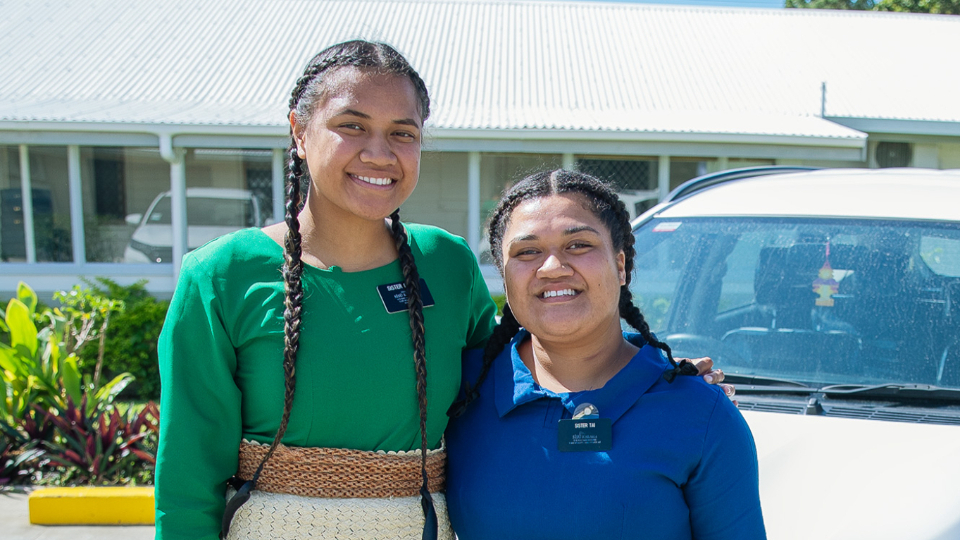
<point>130,344</point>
<point>18,455</point>
<point>39,365</point>
<point>58,422</point>
<point>97,446</point>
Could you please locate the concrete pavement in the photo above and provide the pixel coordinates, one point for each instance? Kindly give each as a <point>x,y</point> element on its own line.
<point>15,525</point>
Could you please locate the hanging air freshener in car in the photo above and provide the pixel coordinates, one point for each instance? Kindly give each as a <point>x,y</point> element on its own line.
<point>825,286</point>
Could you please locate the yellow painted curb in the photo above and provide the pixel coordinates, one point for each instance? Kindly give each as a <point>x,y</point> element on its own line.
<point>92,506</point>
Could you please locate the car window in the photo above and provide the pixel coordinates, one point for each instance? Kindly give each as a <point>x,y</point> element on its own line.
<point>160,213</point>
<point>659,265</point>
<point>737,283</point>
<point>941,254</point>
<point>818,300</point>
<point>207,212</point>
<point>217,212</point>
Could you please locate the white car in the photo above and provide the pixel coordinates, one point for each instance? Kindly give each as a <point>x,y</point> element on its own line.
<point>211,212</point>
<point>831,298</point>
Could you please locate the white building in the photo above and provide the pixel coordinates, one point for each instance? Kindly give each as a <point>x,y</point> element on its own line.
<point>105,104</point>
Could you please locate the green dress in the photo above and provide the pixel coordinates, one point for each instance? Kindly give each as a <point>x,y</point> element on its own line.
<point>221,362</point>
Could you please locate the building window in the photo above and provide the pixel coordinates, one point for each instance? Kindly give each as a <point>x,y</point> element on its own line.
<point>119,187</point>
<point>12,243</point>
<point>685,169</point>
<point>50,198</point>
<point>499,172</point>
<point>51,203</point>
<point>226,191</point>
<point>627,175</point>
<point>126,202</point>
<point>634,179</point>
<point>258,173</point>
<point>108,185</point>
<point>248,170</point>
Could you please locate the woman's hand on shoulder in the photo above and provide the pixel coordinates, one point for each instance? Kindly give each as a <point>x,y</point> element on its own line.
<point>712,376</point>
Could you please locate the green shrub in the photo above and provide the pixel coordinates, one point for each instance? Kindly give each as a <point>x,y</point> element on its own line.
<point>38,364</point>
<point>131,340</point>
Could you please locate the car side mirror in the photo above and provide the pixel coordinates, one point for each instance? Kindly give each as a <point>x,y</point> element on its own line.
<point>133,219</point>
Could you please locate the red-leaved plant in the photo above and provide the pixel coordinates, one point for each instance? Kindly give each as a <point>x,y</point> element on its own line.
<point>19,455</point>
<point>100,446</point>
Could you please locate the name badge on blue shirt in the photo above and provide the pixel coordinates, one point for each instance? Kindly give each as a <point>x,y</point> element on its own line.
<point>394,296</point>
<point>585,432</point>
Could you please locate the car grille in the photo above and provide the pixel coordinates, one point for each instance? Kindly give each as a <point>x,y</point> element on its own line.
<point>868,411</point>
<point>770,406</point>
<point>892,415</point>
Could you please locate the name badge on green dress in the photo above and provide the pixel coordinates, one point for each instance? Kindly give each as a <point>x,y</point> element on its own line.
<point>394,296</point>
<point>585,432</point>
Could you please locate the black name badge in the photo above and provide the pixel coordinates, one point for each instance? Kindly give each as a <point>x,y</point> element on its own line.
<point>394,296</point>
<point>585,435</point>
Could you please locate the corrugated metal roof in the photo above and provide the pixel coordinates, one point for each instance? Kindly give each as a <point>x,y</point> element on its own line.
<point>489,65</point>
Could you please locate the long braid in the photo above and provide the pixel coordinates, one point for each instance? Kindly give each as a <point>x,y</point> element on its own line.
<point>303,99</point>
<point>613,212</point>
<point>293,295</point>
<point>309,74</point>
<point>292,315</point>
<point>630,313</point>
<point>292,270</point>
<point>411,283</point>
<point>628,310</point>
<point>508,326</point>
<point>502,334</point>
<point>607,206</point>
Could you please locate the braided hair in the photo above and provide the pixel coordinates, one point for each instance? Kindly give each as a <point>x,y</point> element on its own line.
<point>309,90</point>
<point>604,203</point>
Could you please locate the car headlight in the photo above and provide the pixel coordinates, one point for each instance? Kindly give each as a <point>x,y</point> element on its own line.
<point>153,253</point>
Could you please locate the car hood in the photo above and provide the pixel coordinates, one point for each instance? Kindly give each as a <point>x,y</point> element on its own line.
<point>161,236</point>
<point>839,478</point>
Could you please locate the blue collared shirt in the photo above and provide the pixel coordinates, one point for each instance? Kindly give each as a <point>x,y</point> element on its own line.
<point>682,463</point>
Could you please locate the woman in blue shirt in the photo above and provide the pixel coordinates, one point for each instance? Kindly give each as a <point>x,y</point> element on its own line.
<point>574,429</point>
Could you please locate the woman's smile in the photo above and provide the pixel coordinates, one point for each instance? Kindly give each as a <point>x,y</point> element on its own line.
<point>373,181</point>
<point>561,273</point>
<point>362,146</point>
<point>561,295</point>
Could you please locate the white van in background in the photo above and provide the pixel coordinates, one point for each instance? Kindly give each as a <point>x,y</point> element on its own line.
<point>211,212</point>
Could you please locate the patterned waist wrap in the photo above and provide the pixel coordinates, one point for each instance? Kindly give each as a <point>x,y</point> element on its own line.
<point>335,493</point>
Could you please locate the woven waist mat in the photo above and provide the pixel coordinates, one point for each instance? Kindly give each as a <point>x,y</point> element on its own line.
<point>279,516</point>
<point>340,472</point>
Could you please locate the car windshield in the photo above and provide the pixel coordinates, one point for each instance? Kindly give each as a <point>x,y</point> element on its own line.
<point>819,301</point>
<point>207,212</point>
